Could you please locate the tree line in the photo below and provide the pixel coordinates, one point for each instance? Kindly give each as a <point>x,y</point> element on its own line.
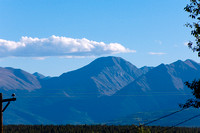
<point>94,129</point>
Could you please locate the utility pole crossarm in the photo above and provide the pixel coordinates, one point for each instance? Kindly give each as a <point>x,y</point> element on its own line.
<point>8,100</point>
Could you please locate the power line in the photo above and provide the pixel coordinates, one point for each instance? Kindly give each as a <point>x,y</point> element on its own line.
<point>180,123</point>
<point>90,94</point>
<point>163,117</point>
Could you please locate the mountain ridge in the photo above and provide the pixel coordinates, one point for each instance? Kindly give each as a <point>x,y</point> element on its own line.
<point>77,98</point>
<point>104,76</point>
<point>11,78</point>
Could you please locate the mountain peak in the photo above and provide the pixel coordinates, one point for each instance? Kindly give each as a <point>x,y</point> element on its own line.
<point>186,64</point>
<point>191,63</point>
<point>38,75</point>
<point>103,76</point>
<point>107,61</point>
<point>102,63</point>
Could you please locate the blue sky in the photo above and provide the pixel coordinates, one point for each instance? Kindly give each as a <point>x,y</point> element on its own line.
<point>56,36</point>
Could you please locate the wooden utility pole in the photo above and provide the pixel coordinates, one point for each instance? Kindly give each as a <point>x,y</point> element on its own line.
<point>1,115</point>
<point>3,109</point>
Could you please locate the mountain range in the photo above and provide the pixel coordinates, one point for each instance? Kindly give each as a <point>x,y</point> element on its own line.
<point>107,90</point>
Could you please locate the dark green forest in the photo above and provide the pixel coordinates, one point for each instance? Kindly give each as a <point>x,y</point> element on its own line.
<point>95,129</point>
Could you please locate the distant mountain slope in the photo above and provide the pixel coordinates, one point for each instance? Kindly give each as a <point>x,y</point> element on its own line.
<point>162,88</point>
<point>38,75</point>
<point>109,88</point>
<point>104,76</point>
<point>11,78</point>
<point>165,78</point>
<point>145,117</point>
<point>146,69</point>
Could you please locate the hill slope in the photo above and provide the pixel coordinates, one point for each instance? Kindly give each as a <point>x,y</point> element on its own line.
<point>162,88</point>
<point>12,79</point>
<point>104,76</point>
<point>109,88</point>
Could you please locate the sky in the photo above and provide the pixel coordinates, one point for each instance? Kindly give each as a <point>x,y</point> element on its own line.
<point>56,36</point>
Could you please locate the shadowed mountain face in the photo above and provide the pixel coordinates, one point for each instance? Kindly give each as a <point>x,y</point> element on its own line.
<point>106,89</point>
<point>162,88</point>
<point>165,78</point>
<point>17,79</point>
<point>104,76</point>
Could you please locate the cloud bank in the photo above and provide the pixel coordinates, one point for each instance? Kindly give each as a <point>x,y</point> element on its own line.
<point>58,46</point>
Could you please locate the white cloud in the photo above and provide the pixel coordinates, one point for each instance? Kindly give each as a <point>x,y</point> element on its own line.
<point>156,53</point>
<point>58,46</point>
<point>39,58</point>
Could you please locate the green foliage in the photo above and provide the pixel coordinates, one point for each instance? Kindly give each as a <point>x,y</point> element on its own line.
<point>194,10</point>
<point>193,102</point>
<point>142,129</point>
